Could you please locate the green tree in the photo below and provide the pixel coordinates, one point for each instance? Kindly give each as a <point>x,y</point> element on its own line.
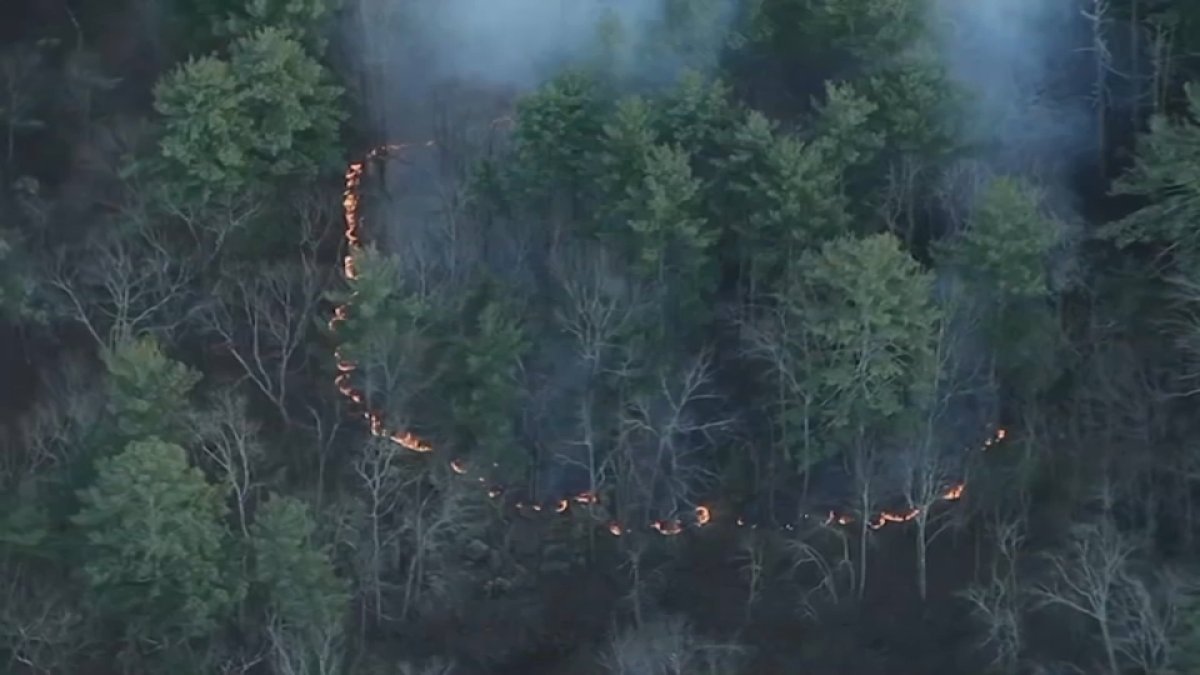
<point>868,307</point>
<point>303,595</point>
<point>266,113</point>
<point>155,553</point>
<point>1166,172</point>
<point>1004,255</point>
<point>785,197</point>
<point>1007,242</point>
<point>149,391</point>
<point>557,139</point>
<point>481,365</point>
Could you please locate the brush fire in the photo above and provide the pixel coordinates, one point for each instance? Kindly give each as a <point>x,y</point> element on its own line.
<point>700,516</point>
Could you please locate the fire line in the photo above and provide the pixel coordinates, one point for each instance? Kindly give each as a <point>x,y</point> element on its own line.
<point>700,515</point>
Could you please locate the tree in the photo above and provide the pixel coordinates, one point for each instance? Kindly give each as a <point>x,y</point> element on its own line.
<point>872,352</point>
<point>266,113</point>
<point>304,19</point>
<point>120,285</point>
<point>264,317</point>
<point>1165,171</point>
<point>873,332</point>
<point>305,599</point>
<point>481,386</point>
<point>783,196</point>
<point>1004,257</point>
<point>231,447</point>
<point>557,138</point>
<point>149,391</point>
<point>1095,575</point>
<point>155,549</point>
<point>1005,247</point>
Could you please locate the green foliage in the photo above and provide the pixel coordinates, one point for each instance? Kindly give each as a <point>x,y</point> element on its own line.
<point>297,577</point>
<point>1166,171</point>
<point>1007,242</point>
<point>699,116</point>
<point>785,195</point>
<point>265,114</point>
<point>869,30</point>
<point>868,309</point>
<point>231,19</point>
<point>913,107</point>
<point>557,139</point>
<point>846,135</point>
<point>149,391</point>
<point>482,365</point>
<point>155,553</point>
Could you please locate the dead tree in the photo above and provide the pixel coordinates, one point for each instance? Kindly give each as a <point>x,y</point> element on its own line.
<point>661,441</point>
<point>126,285</point>
<point>1093,576</point>
<point>997,602</point>
<point>264,318</point>
<point>382,477</point>
<point>931,473</point>
<point>228,441</point>
<point>438,520</point>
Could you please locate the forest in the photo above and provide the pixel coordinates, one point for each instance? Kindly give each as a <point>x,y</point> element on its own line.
<point>599,337</point>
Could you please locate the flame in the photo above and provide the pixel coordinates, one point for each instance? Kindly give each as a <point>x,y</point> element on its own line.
<point>955,492</point>
<point>407,439</point>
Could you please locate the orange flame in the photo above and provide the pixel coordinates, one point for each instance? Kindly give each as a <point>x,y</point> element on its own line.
<point>955,493</point>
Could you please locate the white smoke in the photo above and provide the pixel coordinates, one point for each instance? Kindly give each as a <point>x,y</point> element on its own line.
<point>1023,66</point>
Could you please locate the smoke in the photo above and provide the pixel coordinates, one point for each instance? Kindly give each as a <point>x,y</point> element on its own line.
<point>1024,66</point>
<point>408,49</point>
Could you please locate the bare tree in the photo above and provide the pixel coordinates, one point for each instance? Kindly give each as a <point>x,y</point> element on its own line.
<point>122,285</point>
<point>865,465</point>
<point>752,554</point>
<point>668,646</point>
<point>45,437</point>
<point>438,520</point>
<point>39,624</point>
<point>264,317</point>
<point>597,309</point>
<point>1092,575</point>
<point>306,652</point>
<point>661,438</point>
<point>382,477</point>
<point>930,472</point>
<point>228,441</point>
<point>997,602</point>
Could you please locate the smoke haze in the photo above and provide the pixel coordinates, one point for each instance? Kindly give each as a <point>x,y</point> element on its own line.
<point>1024,67</point>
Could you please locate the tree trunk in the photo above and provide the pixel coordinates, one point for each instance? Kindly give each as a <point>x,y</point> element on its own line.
<point>922,549</point>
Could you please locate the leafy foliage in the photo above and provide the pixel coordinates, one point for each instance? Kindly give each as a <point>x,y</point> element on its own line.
<point>267,112</point>
<point>1007,241</point>
<point>156,553</point>
<point>149,391</point>
<point>296,576</point>
<point>873,332</point>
